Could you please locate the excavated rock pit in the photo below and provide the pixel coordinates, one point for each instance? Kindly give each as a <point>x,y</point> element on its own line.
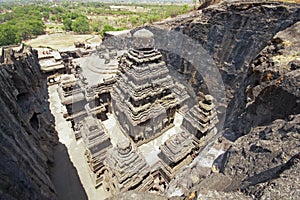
<point>255,45</point>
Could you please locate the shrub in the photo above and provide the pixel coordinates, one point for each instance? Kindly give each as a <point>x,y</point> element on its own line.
<point>81,25</point>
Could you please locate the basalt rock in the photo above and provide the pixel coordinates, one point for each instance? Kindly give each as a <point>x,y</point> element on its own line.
<point>270,90</point>
<point>257,52</point>
<point>27,135</point>
<point>234,32</point>
<point>264,162</point>
<point>259,163</point>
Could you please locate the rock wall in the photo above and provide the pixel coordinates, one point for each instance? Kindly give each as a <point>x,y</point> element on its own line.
<point>263,163</point>
<point>243,29</point>
<point>27,135</point>
<point>270,89</point>
<point>234,32</point>
<point>256,47</point>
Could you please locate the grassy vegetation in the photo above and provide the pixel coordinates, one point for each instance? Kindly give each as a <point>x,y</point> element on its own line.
<point>135,15</point>
<point>20,22</point>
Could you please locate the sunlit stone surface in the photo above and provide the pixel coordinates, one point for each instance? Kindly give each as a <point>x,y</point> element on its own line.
<point>133,117</point>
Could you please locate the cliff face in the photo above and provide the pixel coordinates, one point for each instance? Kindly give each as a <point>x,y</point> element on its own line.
<point>270,89</point>
<point>263,163</point>
<point>256,47</point>
<point>243,29</point>
<point>26,132</point>
<point>235,32</point>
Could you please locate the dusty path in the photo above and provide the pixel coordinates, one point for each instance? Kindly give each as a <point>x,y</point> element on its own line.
<point>93,40</point>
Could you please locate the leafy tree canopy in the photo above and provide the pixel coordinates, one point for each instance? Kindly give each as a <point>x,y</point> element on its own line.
<point>67,24</point>
<point>21,23</point>
<point>81,25</point>
<point>8,35</point>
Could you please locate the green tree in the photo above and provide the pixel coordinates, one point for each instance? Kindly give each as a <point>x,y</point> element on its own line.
<point>56,10</point>
<point>53,18</point>
<point>22,23</point>
<point>8,35</point>
<point>46,15</point>
<point>68,24</point>
<point>185,8</point>
<point>95,26</point>
<point>74,15</point>
<point>81,25</point>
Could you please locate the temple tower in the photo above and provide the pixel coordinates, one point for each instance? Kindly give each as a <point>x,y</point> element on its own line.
<point>142,98</point>
<point>97,143</point>
<point>201,119</point>
<point>179,149</point>
<point>126,168</point>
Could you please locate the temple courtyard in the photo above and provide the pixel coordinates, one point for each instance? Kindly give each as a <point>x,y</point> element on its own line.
<point>126,122</point>
<point>75,153</point>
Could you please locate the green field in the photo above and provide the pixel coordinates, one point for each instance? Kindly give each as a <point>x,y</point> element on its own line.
<point>23,22</point>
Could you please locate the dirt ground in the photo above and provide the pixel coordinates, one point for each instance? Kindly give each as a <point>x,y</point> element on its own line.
<point>62,40</point>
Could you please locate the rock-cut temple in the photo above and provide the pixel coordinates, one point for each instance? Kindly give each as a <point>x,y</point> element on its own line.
<point>142,98</point>
<point>146,104</point>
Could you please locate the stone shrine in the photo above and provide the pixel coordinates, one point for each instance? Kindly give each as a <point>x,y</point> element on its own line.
<point>201,119</point>
<point>97,143</point>
<point>142,97</point>
<point>127,168</point>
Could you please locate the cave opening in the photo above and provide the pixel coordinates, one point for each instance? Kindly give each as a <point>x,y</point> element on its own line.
<point>34,121</point>
<point>23,101</point>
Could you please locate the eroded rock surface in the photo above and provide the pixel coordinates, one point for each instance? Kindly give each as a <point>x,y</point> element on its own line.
<point>234,32</point>
<point>259,160</point>
<point>26,132</point>
<point>263,91</point>
<point>263,162</point>
<point>270,90</point>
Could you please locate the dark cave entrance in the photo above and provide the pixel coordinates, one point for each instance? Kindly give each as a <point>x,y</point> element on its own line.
<point>34,121</point>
